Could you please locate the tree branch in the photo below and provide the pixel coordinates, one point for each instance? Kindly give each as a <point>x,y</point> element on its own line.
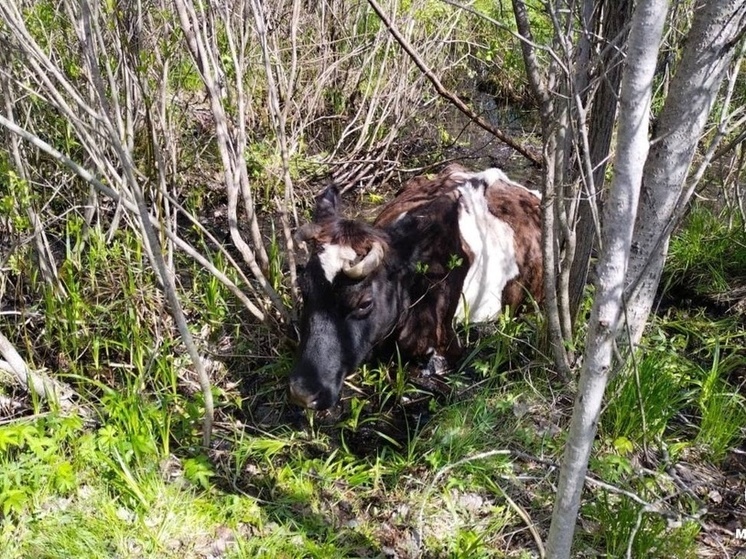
<point>452,97</point>
<point>38,383</point>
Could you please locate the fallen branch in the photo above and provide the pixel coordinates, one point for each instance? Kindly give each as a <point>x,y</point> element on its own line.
<point>38,383</point>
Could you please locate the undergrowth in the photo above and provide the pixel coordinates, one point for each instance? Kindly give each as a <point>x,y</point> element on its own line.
<point>708,255</point>
<point>461,466</point>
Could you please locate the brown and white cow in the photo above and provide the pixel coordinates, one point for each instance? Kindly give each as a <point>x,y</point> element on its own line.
<point>461,245</point>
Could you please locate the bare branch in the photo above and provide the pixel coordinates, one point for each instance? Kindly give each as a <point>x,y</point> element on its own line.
<point>452,97</point>
<point>36,382</point>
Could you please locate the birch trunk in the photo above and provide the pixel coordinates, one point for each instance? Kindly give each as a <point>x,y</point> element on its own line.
<point>619,217</point>
<point>711,42</point>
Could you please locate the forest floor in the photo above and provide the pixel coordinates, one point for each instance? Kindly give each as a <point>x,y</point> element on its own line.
<point>408,465</point>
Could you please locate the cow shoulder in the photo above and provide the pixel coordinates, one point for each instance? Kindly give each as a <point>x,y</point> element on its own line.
<point>418,192</point>
<point>520,209</point>
<point>428,245</point>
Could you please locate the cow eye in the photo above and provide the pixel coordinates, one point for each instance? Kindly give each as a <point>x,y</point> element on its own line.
<point>363,308</point>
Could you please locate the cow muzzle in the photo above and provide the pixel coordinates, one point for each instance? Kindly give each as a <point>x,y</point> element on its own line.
<point>312,399</point>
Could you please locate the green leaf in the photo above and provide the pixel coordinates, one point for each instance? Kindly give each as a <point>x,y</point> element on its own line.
<point>623,446</point>
<point>9,438</point>
<point>198,471</point>
<point>64,477</point>
<point>13,500</point>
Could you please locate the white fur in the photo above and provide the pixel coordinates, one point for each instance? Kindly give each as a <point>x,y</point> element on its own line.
<point>333,257</point>
<point>490,176</point>
<point>490,240</point>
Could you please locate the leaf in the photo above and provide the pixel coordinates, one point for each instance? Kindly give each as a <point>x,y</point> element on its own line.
<point>64,477</point>
<point>9,437</point>
<point>13,500</point>
<point>623,446</point>
<point>198,471</point>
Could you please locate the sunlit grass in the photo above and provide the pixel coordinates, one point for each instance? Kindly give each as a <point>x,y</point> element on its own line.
<point>707,253</point>
<point>460,465</point>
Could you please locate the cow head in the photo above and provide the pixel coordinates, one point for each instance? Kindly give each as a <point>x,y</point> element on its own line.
<point>350,301</point>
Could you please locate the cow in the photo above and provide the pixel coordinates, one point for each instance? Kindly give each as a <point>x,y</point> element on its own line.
<point>461,245</point>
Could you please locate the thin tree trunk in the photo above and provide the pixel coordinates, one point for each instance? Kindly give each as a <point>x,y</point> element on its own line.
<point>612,23</point>
<point>619,215</point>
<point>550,227</point>
<point>711,43</point>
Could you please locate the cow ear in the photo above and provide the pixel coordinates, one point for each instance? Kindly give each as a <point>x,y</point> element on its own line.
<point>402,232</point>
<point>327,203</point>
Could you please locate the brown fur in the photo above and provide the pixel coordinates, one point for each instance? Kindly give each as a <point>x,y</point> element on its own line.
<point>436,288</point>
<point>418,191</point>
<point>514,204</point>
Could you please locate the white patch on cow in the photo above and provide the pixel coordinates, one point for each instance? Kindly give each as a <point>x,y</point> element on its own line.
<point>333,257</point>
<point>491,176</point>
<point>488,176</point>
<point>490,240</point>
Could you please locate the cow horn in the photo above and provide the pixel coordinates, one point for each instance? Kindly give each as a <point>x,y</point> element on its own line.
<point>307,232</point>
<point>370,262</point>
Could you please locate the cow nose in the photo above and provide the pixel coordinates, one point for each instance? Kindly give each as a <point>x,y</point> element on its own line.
<point>299,395</point>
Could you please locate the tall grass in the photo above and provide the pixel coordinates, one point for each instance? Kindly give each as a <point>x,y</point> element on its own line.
<point>708,255</point>
<point>128,482</point>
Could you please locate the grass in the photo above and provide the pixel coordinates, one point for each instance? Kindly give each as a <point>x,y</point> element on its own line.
<point>454,467</point>
<point>708,255</point>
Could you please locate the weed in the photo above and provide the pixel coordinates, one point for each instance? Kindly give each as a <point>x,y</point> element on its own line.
<point>722,408</point>
<point>705,253</point>
<point>643,401</point>
<point>617,524</point>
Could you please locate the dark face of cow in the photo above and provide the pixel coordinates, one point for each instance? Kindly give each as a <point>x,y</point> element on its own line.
<point>351,302</point>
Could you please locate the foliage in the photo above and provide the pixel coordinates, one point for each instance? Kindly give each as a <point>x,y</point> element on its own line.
<point>708,254</point>
<point>615,524</point>
<point>131,480</point>
<point>132,483</point>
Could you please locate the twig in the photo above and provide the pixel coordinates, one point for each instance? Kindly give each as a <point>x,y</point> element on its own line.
<point>633,533</point>
<point>235,173</point>
<point>279,123</point>
<point>530,524</point>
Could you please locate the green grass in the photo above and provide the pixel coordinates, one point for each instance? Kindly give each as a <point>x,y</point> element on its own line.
<point>410,462</point>
<point>643,401</point>
<point>284,493</point>
<point>708,255</point>
<point>132,484</point>
<point>613,523</point>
